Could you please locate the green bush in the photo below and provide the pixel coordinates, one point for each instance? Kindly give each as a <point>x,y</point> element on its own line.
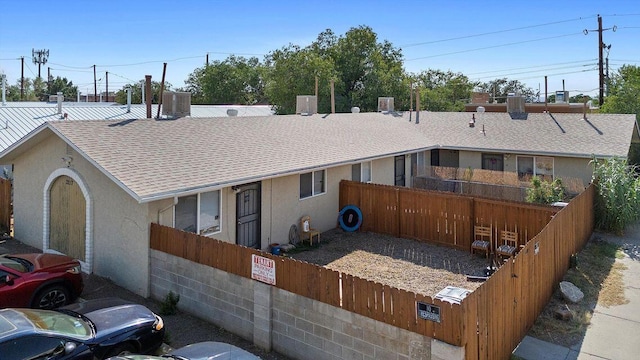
<point>617,194</point>
<point>544,192</point>
<point>170,304</point>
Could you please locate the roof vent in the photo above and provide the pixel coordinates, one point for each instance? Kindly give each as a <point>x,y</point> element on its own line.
<point>232,112</point>
<point>385,104</point>
<point>176,104</point>
<point>355,109</point>
<point>306,104</point>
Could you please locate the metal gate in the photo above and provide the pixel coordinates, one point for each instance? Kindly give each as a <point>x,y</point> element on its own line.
<point>248,215</point>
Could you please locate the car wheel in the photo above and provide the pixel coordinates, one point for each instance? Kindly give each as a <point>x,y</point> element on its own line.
<point>121,349</point>
<point>51,297</point>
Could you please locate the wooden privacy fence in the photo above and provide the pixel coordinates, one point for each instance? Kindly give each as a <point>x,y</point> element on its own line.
<point>368,298</point>
<point>499,313</point>
<point>5,203</point>
<point>437,217</point>
<point>489,322</point>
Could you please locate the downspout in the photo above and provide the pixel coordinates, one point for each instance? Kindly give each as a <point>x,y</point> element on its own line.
<point>175,202</point>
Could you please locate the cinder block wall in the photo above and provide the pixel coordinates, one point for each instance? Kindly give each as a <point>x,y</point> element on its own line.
<point>293,325</point>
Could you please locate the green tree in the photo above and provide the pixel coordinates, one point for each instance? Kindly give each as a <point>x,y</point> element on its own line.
<point>69,91</point>
<point>235,80</point>
<point>444,91</point>
<point>291,72</point>
<point>624,98</point>
<point>362,68</point>
<point>136,92</point>
<point>499,89</point>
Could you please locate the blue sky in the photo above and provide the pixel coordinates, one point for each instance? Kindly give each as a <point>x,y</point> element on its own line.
<point>484,40</point>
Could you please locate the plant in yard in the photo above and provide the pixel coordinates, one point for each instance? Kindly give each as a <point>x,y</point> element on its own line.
<point>544,192</point>
<point>170,304</point>
<point>618,194</point>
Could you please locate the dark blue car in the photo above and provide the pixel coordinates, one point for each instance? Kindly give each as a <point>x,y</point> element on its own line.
<point>95,329</point>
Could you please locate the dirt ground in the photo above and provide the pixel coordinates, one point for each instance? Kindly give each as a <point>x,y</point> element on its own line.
<point>402,263</point>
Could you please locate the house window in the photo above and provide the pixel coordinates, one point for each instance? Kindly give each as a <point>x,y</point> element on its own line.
<point>493,162</point>
<point>312,183</point>
<point>198,213</point>
<point>529,166</point>
<point>361,172</point>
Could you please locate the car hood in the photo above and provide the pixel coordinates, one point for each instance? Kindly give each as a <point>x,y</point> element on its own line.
<point>46,260</point>
<point>212,350</point>
<point>113,314</point>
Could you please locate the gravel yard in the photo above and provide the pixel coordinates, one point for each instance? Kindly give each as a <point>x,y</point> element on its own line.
<point>402,263</point>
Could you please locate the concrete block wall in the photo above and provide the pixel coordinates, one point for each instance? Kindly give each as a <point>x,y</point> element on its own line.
<point>293,325</point>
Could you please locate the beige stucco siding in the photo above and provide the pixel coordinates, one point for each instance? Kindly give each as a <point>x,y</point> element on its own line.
<point>573,168</point>
<point>120,224</point>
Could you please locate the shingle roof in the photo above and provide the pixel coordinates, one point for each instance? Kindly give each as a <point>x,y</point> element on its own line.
<point>560,134</point>
<point>154,159</point>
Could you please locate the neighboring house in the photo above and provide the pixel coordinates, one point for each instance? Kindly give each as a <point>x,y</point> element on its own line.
<point>90,189</point>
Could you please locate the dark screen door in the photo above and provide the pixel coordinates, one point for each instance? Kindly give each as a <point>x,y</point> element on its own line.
<point>248,215</point>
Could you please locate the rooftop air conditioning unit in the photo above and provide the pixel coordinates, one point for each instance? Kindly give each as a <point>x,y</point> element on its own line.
<point>385,104</point>
<point>306,104</point>
<point>515,104</point>
<point>176,104</point>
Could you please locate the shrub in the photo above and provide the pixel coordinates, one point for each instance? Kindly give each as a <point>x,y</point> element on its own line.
<point>544,192</point>
<point>617,194</point>
<point>170,304</point>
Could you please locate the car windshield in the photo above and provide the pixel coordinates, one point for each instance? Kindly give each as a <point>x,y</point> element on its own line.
<point>59,323</point>
<point>14,263</point>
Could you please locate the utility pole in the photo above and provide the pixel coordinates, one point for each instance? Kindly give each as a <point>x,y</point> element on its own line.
<point>106,77</point>
<point>207,63</point>
<point>601,46</point>
<point>39,57</point>
<point>49,79</point>
<point>95,85</point>
<point>22,78</point>
<point>606,73</point>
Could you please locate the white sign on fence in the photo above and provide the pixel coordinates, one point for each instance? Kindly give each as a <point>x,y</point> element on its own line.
<point>263,269</point>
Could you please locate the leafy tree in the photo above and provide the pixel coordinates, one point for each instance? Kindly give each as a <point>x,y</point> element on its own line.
<point>136,92</point>
<point>444,91</point>
<point>362,69</point>
<point>69,91</point>
<point>580,98</point>
<point>235,80</point>
<point>624,98</point>
<point>291,72</point>
<point>33,90</point>
<point>499,89</point>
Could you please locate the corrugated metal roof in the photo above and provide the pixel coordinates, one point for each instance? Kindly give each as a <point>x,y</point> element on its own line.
<point>19,118</point>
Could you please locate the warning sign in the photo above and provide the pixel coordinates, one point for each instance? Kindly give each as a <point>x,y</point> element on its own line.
<point>263,269</point>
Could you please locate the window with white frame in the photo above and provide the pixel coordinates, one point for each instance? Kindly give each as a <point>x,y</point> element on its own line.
<point>198,213</point>
<point>529,166</point>
<point>312,183</point>
<point>361,172</point>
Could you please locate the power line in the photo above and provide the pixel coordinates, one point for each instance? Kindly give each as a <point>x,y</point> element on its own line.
<point>532,67</point>
<point>151,62</point>
<point>495,32</point>
<point>536,71</point>
<point>495,46</point>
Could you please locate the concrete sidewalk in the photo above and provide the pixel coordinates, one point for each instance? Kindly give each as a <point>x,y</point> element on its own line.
<point>614,332</point>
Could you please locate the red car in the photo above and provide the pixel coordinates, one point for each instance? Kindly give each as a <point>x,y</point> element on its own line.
<point>43,281</point>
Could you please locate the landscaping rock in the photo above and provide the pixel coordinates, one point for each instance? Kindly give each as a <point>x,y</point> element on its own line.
<point>571,292</point>
<point>563,313</point>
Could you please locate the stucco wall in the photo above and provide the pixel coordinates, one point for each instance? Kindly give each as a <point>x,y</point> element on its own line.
<point>120,225</point>
<point>293,325</point>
